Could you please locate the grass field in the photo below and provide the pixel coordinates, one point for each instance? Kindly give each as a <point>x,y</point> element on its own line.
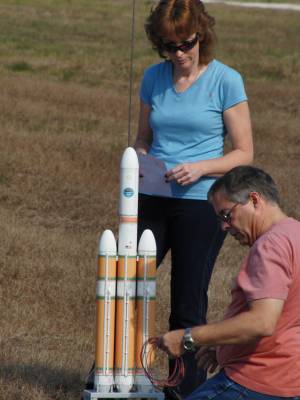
<point>64,70</point>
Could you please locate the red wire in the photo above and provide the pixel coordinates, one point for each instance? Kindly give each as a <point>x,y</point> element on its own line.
<point>174,378</point>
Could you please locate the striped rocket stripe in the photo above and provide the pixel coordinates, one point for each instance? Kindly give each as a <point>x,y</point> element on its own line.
<point>128,286</point>
<point>104,288</point>
<point>150,289</point>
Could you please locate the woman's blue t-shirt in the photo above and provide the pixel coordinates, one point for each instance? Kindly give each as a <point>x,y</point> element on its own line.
<point>189,126</point>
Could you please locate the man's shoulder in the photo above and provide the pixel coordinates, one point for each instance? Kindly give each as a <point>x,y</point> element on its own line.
<point>287,227</point>
<point>282,240</point>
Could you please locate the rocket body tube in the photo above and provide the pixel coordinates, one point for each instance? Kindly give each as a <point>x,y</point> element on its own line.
<point>105,310</point>
<point>126,272</point>
<point>125,324</point>
<point>128,203</point>
<point>146,298</point>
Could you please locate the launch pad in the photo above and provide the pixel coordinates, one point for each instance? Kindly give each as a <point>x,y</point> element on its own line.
<point>93,395</point>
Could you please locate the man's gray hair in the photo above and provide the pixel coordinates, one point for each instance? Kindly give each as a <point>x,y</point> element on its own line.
<point>239,182</point>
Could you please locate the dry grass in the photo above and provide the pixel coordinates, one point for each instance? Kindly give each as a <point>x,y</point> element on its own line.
<point>63,126</point>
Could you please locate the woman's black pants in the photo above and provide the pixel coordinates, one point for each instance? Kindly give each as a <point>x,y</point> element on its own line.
<point>190,229</point>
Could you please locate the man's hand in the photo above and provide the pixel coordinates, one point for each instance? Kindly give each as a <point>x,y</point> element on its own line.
<point>171,343</point>
<point>206,358</point>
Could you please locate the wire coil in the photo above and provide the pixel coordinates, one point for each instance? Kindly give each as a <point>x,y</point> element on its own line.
<point>147,353</point>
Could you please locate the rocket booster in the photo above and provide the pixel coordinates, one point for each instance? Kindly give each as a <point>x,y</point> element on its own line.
<point>105,313</point>
<point>145,299</point>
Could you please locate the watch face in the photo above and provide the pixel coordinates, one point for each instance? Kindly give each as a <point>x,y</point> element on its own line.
<point>188,342</point>
<point>188,345</point>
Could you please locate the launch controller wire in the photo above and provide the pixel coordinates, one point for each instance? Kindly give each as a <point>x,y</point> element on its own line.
<point>147,353</point>
<point>131,70</point>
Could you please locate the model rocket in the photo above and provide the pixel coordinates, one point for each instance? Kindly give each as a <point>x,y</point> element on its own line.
<point>126,275</point>
<point>126,290</point>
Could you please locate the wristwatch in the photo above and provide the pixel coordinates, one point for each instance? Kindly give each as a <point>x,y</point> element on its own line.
<point>187,340</point>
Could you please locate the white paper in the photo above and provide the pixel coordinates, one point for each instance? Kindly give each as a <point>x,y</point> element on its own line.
<point>152,176</point>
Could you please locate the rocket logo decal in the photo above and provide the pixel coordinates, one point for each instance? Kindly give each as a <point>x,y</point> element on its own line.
<point>128,192</point>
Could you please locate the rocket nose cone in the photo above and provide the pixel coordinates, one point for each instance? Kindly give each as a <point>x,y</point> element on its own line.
<point>147,243</point>
<point>129,159</point>
<point>107,243</point>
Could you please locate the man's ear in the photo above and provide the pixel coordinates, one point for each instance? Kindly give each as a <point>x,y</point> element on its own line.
<point>255,198</point>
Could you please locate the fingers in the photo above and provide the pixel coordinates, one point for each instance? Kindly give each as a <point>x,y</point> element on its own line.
<point>180,174</point>
<point>213,367</point>
<point>173,174</point>
<point>209,365</point>
<point>160,343</point>
<point>206,359</point>
<point>203,350</point>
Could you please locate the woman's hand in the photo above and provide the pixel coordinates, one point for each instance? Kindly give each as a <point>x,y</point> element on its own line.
<point>206,358</point>
<point>185,174</point>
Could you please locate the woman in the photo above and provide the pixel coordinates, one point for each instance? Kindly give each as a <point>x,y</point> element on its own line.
<point>189,102</point>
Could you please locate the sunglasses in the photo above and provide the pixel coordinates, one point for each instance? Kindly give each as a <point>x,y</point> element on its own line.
<point>185,46</point>
<point>225,216</point>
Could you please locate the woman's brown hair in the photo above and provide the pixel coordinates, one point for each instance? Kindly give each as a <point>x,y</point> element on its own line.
<point>181,18</point>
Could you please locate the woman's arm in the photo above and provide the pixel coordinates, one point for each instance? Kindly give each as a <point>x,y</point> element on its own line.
<point>144,137</point>
<point>238,126</point>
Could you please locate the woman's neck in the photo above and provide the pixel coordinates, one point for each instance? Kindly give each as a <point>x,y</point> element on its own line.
<point>183,79</point>
<point>187,73</point>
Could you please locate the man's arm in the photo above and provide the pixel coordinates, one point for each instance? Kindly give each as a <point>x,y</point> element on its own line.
<point>259,321</point>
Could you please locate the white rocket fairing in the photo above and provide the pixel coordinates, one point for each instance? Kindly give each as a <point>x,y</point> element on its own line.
<point>128,203</point>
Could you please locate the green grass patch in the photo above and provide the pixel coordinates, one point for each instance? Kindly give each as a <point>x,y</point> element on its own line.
<point>3,179</point>
<point>20,67</point>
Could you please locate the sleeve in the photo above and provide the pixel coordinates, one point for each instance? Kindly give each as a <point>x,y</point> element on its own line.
<point>269,271</point>
<point>232,89</point>
<point>147,85</point>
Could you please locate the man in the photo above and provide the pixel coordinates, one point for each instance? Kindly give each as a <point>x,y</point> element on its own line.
<point>257,345</point>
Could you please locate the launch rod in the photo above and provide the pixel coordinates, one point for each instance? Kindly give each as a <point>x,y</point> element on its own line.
<point>131,71</point>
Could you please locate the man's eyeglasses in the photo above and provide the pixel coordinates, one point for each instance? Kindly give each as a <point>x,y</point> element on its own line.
<point>225,216</point>
<point>184,46</point>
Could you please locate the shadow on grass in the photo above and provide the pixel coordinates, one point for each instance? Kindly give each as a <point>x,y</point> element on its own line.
<point>58,383</point>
